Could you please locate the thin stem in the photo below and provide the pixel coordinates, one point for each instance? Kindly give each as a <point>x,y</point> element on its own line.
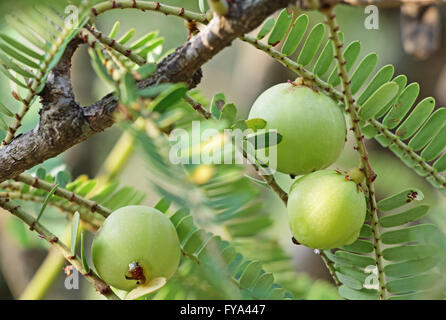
<point>92,222</point>
<point>330,266</point>
<point>63,193</point>
<point>197,106</point>
<point>44,233</point>
<point>113,44</point>
<point>441,180</point>
<point>360,145</point>
<point>268,178</point>
<point>150,6</point>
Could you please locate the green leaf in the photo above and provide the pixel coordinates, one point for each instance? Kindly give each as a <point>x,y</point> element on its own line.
<point>381,77</point>
<point>359,246</point>
<point>41,173</point>
<point>363,72</point>
<point>19,57</point>
<point>3,125</point>
<point>311,45</point>
<point>400,199</point>
<point>5,110</point>
<point>6,72</point>
<point>399,219</point>
<point>154,91</point>
<point>114,30</point>
<point>163,205</point>
<point>229,113</point>
<point>179,215</point>
<point>22,48</point>
<point>280,28</point>
<point>197,239</point>
<point>295,35</point>
<point>4,60</point>
<point>127,36</point>
<point>262,140</point>
<point>440,164</point>
<point>416,233</point>
<point>349,281</point>
<point>402,107</point>
<point>83,256</point>
<point>128,89</point>
<point>380,98</point>
<point>144,40</point>
<point>325,60</point>
<point>416,118</point>
<point>429,130</point>
<point>62,178</point>
<point>250,227</point>
<point>410,268</point>
<point>266,28</point>
<point>420,282</point>
<point>25,32</point>
<point>256,124</point>
<point>150,47</point>
<point>185,227</point>
<point>169,97</point>
<point>99,68</point>
<point>401,81</point>
<point>218,101</point>
<point>146,70</point>
<point>250,275</point>
<point>436,146</point>
<point>45,203</point>
<point>356,259</point>
<point>351,53</point>
<point>74,233</point>
<point>203,5</point>
<point>363,294</point>
<point>409,252</point>
<point>366,231</point>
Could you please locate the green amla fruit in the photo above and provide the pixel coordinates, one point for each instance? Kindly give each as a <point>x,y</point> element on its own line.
<point>326,210</point>
<point>135,245</point>
<point>311,124</point>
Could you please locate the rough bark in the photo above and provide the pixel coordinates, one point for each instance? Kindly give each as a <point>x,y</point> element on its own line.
<point>64,123</point>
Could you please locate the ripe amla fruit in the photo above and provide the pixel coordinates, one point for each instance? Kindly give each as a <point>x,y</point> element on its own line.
<point>135,245</point>
<point>311,124</point>
<point>326,210</point>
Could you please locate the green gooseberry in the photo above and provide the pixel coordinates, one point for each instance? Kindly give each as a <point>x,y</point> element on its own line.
<point>326,209</point>
<point>311,124</point>
<point>135,245</point>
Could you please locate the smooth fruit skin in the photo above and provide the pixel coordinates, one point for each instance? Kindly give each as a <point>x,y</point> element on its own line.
<point>135,234</point>
<point>325,210</point>
<point>312,125</point>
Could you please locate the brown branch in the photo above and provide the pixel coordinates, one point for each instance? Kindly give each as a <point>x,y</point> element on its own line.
<point>64,123</point>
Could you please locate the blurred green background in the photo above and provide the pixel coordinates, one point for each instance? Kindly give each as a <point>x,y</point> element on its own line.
<point>242,73</point>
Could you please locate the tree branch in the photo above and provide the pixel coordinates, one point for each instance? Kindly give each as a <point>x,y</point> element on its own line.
<point>63,123</point>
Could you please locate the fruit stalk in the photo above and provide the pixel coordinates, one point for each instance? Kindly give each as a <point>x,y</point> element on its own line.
<point>360,145</point>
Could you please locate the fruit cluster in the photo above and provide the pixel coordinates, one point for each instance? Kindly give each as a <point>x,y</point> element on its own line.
<point>326,209</point>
